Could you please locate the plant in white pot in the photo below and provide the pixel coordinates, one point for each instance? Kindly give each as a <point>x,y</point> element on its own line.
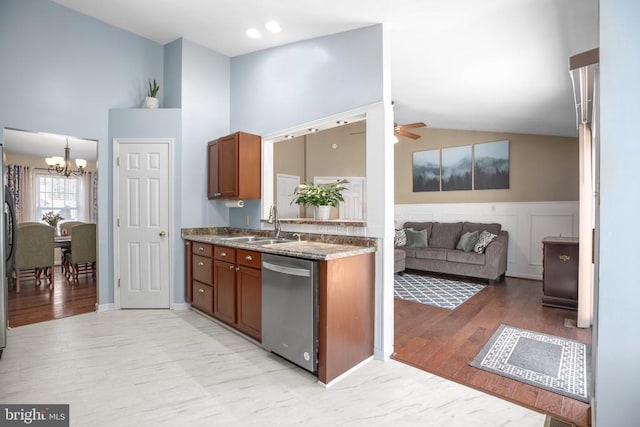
<point>320,196</point>
<point>151,101</point>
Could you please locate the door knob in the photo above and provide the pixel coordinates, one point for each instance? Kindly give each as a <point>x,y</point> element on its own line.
<point>162,234</point>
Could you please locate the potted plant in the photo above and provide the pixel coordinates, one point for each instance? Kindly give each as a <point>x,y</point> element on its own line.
<point>151,101</point>
<point>321,196</point>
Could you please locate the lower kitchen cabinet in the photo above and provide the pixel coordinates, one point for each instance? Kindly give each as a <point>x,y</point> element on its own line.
<point>224,291</point>
<point>249,315</point>
<point>202,297</point>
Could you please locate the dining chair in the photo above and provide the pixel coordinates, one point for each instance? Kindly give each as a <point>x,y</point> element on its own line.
<point>34,253</point>
<point>82,258</point>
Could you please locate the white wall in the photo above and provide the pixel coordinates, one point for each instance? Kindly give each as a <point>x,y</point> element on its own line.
<point>527,223</point>
<point>617,329</point>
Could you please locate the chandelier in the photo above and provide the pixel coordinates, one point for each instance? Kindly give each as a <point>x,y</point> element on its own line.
<point>62,165</point>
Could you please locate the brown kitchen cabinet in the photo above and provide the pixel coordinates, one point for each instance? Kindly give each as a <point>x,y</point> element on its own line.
<point>234,167</point>
<point>202,280</point>
<point>249,293</point>
<point>560,272</point>
<point>224,278</point>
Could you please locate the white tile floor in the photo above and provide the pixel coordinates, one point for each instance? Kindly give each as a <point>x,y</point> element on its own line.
<point>149,368</point>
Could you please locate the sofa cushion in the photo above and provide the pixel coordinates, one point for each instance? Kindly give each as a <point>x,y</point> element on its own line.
<point>419,226</point>
<point>493,228</point>
<point>411,252</point>
<point>445,235</point>
<point>483,241</point>
<point>431,253</point>
<point>468,241</point>
<point>416,238</point>
<point>400,238</point>
<point>466,257</point>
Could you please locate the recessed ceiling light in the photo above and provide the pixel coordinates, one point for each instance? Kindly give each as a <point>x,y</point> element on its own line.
<point>341,122</point>
<point>273,26</point>
<point>313,130</point>
<point>253,33</point>
<point>288,136</point>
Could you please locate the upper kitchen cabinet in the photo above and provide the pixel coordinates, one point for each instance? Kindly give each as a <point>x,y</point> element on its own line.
<point>234,170</point>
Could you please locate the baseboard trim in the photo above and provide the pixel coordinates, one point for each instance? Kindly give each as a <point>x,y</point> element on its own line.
<point>105,307</point>
<point>180,306</point>
<point>346,373</point>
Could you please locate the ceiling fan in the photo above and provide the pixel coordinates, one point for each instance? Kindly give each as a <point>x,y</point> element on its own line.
<point>399,130</point>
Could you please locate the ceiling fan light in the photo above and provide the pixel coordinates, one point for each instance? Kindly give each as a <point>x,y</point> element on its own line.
<point>273,26</point>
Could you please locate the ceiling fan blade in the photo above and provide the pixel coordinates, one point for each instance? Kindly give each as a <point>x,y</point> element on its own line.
<point>413,125</point>
<point>407,134</point>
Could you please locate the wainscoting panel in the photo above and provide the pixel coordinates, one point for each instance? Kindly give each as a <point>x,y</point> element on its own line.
<point>527,223</point>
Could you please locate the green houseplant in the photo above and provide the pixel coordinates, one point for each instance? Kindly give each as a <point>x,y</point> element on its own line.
<point>151,101</point>
<point>320,196</point>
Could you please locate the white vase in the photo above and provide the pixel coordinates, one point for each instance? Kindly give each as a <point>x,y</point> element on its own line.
<point>150,102</point>
<point>322,212</point>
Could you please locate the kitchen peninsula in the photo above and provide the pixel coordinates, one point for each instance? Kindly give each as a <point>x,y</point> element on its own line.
<point>223,281</point>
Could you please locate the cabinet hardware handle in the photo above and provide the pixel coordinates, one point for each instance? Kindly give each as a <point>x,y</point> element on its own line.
<point>231,267</point>
<point>223,254</point>
<point>201,290</point>
<point>564,258</point>
<point>248,257</point>
<point>201,263</point>
<point>237,268</point>
<point>200,248</point>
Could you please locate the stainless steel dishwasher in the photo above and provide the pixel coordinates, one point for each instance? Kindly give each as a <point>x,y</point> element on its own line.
<point>290,309</point>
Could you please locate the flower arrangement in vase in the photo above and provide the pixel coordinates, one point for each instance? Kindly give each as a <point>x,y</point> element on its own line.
<point>52,218</point>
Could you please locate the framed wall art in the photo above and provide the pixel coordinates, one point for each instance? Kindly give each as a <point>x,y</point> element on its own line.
<point>491,165</point>
<point>456,168</point>
<point>426,171</point>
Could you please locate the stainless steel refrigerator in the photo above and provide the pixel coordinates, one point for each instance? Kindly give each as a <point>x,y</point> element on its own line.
<point>7,251</point>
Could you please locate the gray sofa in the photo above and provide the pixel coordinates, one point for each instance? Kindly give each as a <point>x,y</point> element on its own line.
<point>441,255</point>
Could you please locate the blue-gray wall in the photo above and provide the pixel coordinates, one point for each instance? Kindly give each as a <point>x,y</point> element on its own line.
<point>158,123</point>
<point>173,74</point>
<point>285,86</point>
<point>61,72</point>
<point>617,333</point>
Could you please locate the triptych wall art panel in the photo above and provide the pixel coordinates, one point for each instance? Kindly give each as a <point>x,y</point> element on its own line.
<point>480,167</point>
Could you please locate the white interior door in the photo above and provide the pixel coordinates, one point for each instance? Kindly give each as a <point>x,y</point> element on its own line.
<point>285,184</point>
<point>142,224</point>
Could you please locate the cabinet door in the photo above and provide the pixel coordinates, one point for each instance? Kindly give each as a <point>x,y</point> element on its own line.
<point>202,297</point>
<point>187,271</point>
<point>213,188</point>
<point>228,166</point>
<point>249,281</point>
<point>224,291</point>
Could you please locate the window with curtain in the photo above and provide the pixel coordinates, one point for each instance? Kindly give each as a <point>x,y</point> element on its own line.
<point>59,194</point>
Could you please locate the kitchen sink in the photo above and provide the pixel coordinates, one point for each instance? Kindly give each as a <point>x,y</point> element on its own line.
<point>259,241</point>
<point>241,239</point>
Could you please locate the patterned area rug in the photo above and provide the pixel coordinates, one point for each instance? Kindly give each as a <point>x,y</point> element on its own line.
<point>556,364</point>
<point>439,292</point>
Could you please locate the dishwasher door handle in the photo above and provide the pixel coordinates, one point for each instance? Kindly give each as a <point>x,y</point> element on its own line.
<point>286,270</point>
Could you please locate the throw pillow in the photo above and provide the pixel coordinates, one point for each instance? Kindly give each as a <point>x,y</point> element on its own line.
<point>483,241</point>
<point>416,239</point>
<point>468,241</point>
<point>400,238</point>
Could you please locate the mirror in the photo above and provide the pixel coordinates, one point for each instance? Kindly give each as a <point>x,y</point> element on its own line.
<point>37,188</point>
<point>329,152</point>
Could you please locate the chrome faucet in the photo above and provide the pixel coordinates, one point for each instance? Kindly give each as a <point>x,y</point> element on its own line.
<point>273,219</point>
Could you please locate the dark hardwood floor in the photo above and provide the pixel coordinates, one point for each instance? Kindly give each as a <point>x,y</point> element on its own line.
<point>37,303</point>
<point>443,342</point>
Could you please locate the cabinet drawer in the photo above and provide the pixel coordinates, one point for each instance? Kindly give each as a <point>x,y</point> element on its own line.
<point>249,258</point>
<point>203,297</point>
<point>203,249</point>
<point>224,253</point>
<point>202,269</point>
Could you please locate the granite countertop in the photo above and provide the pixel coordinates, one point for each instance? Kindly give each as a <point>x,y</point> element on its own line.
<point>315,250</point>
